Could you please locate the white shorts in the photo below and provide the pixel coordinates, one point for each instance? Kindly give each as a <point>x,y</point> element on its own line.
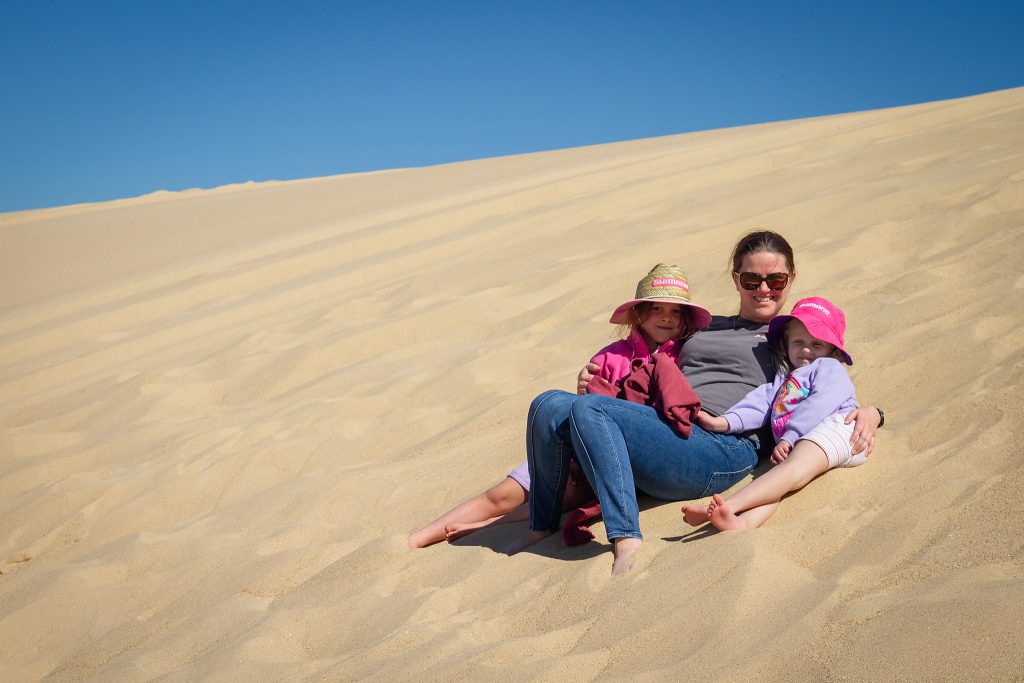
<point>833,437</point>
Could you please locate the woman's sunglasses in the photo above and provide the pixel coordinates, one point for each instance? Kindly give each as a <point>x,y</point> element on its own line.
<point>775,281</point>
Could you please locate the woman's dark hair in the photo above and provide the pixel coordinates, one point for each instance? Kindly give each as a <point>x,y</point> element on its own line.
<point>761,241</point>
<point>766,241</point>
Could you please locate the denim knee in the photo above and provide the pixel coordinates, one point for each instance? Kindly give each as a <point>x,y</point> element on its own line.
<point>540,399</point>
<point>584,408</point>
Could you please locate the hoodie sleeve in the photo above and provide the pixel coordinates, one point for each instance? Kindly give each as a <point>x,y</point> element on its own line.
<point>831,391</point>
<point>754,410</point>
<point>601,360</point>
<point>613,361</point>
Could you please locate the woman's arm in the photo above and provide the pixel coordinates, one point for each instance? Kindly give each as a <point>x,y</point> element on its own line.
<point>586,374</point>
<point>868,418</point>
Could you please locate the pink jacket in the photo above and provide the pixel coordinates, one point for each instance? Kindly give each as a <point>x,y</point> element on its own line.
<point>657,381</point>
<point>616,359</point>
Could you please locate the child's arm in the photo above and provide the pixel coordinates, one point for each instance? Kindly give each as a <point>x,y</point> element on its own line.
<point>831,391</point>
<point>781,451</point>
<point>610,364</point>
<point>711,423</point>
<point>753,411</point>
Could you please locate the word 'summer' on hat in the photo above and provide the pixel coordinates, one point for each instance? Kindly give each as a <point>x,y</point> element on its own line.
<point>823,319</point>
<point>667,285</point>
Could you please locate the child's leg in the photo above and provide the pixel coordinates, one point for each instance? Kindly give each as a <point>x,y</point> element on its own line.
<point>575,496</point>
<point>695,515</point>
<point>456,530</point>
<point>722,517</point>
<point>503,497</point>
<point>760,498</point>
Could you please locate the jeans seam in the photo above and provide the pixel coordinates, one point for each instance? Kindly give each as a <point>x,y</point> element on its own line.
<point>556,504</point>
<point>652,416</point>
<point>618,466</point>
<point>743,471</point>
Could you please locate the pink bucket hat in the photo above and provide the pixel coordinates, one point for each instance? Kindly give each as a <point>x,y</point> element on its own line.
<point>667,285</point>
<point>823,319</point>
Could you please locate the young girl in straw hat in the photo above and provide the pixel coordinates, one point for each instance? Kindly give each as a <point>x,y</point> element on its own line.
<point>806,406</point>
<point>658,320</point>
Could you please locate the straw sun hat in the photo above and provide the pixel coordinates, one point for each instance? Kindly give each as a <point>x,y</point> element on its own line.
<point>664,284</point>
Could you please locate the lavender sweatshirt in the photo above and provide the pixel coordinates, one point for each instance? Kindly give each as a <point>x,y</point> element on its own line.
<point>796,403</point>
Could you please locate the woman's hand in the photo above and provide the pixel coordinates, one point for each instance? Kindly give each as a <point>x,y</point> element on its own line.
<point>586,374</point>
<point>863,438</point>
<point>781,451</point>
<point>710,423</point>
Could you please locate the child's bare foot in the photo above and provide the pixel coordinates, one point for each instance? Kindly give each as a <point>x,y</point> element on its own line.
<point>722,517</point>
<point>695,515</point>
<point>624,549</point>
<point>525,541</point>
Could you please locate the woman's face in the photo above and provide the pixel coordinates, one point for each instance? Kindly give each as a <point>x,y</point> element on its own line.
<point>763,303</point>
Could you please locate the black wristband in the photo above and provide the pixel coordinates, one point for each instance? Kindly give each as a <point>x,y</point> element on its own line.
<point>881,417</point>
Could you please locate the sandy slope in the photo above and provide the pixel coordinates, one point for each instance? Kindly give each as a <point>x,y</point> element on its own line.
<point>221,411</point>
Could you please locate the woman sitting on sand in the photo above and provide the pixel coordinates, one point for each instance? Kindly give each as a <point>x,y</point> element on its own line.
<point>658,319</point>
<point>623,447</point>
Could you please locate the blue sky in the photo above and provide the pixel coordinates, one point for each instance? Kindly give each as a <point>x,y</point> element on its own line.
<point>115,99</point>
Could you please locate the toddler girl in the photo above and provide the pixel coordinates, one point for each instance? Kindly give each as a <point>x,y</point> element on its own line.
<point>658,319</point>
<point>806,405</point>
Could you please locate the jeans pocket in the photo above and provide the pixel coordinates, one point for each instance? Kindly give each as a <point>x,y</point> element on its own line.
<point>720,481</point>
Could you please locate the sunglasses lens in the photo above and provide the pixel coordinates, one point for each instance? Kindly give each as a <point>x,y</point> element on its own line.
<point>775,281</point>
<point>750,280</point>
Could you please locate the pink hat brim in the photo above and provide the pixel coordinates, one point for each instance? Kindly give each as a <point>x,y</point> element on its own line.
<point>700,316</point>
<point>818,330</point>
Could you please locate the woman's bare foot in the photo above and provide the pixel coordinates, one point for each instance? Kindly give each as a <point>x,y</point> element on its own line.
<point>695,515</point>
<point>722,517</point>
<point>624,549</point>
<point>525,541</point>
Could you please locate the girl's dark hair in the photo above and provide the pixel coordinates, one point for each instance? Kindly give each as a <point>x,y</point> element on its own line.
<point>761,241</point>
<point>780,354</point>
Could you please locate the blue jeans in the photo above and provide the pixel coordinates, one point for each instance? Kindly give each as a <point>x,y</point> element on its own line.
<point>548,448</point>
<point>623,447</point>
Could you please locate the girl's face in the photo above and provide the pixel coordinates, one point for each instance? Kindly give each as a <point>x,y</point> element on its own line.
<point>802,348</point>
<point>762,303</point>
<point>662,322</point>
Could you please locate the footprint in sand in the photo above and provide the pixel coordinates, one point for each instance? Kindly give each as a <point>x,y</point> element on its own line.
<point>15,560</point>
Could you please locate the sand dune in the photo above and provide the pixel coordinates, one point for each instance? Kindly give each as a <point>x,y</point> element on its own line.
<point>222,411</point>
